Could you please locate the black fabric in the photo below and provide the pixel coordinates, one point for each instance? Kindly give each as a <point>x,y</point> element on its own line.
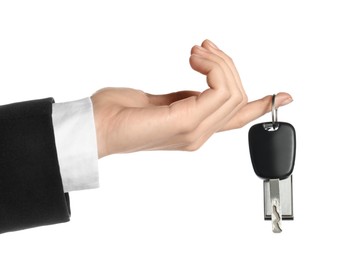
<point>31,191</point>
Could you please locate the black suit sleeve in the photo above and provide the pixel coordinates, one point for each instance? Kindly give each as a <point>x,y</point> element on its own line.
<point>31,191</point>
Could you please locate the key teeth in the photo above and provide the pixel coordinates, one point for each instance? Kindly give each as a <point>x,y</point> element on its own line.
<point>276,217</point>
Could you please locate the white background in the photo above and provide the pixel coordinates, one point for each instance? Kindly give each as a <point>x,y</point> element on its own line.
<point>179,205</point>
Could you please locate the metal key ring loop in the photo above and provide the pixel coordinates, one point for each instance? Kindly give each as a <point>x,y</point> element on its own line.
<point>274,111</point>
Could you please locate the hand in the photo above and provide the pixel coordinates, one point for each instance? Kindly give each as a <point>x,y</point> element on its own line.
<point>129,120</point>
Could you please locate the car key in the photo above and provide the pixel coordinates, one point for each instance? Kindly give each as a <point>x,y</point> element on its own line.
<point>272,148</point>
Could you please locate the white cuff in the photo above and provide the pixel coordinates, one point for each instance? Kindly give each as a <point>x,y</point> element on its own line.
<point>75,139</point>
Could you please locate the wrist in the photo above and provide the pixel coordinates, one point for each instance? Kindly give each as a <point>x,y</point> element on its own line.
<point>99,127</point>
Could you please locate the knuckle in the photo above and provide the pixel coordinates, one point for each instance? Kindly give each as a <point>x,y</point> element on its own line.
<point>224,94</point>
<point>238,98</point>
<point>194,140</point>
<point>241,98</point>
<point>192,147</point>
<point>190,138</point>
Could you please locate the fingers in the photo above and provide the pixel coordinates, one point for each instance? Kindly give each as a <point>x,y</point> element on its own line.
<point>207,113</point>
<point>256,109</point>
<point>220,61</point>
<point>195,116</point>
<point>221,81</point>
<point>193,110</point>
<point>228,61</point>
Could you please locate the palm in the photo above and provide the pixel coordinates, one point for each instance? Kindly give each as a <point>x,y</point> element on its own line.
<point>136,120</point>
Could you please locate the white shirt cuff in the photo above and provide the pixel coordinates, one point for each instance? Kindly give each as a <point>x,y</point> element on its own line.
<point>76,144</point>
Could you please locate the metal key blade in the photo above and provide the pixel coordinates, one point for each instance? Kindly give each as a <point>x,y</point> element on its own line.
<point>276,216</point>
<point>286,194</point>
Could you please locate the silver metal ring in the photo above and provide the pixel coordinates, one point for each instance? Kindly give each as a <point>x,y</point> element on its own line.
<point>274,111</point>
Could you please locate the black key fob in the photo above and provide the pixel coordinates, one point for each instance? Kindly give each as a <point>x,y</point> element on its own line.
<point>272,149</point>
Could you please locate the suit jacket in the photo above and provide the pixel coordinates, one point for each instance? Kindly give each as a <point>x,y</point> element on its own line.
<point>31,190</point>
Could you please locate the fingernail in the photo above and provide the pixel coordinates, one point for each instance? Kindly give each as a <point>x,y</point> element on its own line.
<point>286,101</point>
<point>212,44</point>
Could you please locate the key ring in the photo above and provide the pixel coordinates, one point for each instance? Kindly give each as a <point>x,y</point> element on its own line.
<point>274,111</point>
